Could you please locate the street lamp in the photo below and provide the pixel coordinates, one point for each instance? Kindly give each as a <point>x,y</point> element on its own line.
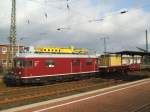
<point>63,28</point>
<point>123,11</point>
<point>101,19</point>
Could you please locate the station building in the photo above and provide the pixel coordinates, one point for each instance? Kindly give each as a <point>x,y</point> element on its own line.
<point>125,58</point>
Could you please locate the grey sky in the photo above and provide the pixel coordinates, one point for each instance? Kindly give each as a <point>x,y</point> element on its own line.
<point>125,31</point>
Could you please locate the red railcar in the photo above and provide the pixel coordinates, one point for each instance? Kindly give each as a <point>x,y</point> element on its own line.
<point>40,68</point>
<point>43,68</point>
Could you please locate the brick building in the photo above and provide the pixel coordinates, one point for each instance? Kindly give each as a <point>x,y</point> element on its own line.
<point>5,61</point>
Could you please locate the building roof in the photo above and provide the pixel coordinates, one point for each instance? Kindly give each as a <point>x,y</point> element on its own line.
<point>132,53</point>
<point>4,45</point>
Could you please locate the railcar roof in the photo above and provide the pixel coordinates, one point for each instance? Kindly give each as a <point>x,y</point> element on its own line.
<point>35,55</point>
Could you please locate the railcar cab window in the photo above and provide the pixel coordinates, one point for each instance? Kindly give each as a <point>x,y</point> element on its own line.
<point>23,63</point>
<point>19,63</point>
<point>89,62</point>
<point>76,62</point>
<point>50,63</point>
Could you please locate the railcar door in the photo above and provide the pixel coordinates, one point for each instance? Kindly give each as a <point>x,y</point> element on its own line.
<point>76,66</point>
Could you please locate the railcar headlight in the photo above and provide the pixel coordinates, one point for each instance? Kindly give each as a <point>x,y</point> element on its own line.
<point>19,73</point>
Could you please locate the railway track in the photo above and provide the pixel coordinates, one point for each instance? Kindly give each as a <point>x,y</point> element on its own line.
<point>7,98</point>
<point>144,108</point>
<point>16,96</point>
<point>5,90</point>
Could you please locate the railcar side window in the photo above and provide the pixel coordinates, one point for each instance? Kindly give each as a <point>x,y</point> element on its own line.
<point>28,63</point>
<point>89,62</point>
<point>50,63</point>
<point>76,62</point>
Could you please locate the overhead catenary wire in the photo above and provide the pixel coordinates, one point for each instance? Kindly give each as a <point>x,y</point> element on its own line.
<point>66,27</point>
<point>52,3</point>
<point>45,12</point>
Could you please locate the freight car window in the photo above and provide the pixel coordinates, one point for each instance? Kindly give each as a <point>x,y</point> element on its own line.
<point>50,63</point>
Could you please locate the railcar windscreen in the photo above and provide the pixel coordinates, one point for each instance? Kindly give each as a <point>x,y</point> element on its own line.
<point>19,63</point>
<point>23,63</point>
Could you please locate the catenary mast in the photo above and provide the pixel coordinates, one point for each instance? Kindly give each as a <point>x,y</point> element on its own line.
<point>12,37</point>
